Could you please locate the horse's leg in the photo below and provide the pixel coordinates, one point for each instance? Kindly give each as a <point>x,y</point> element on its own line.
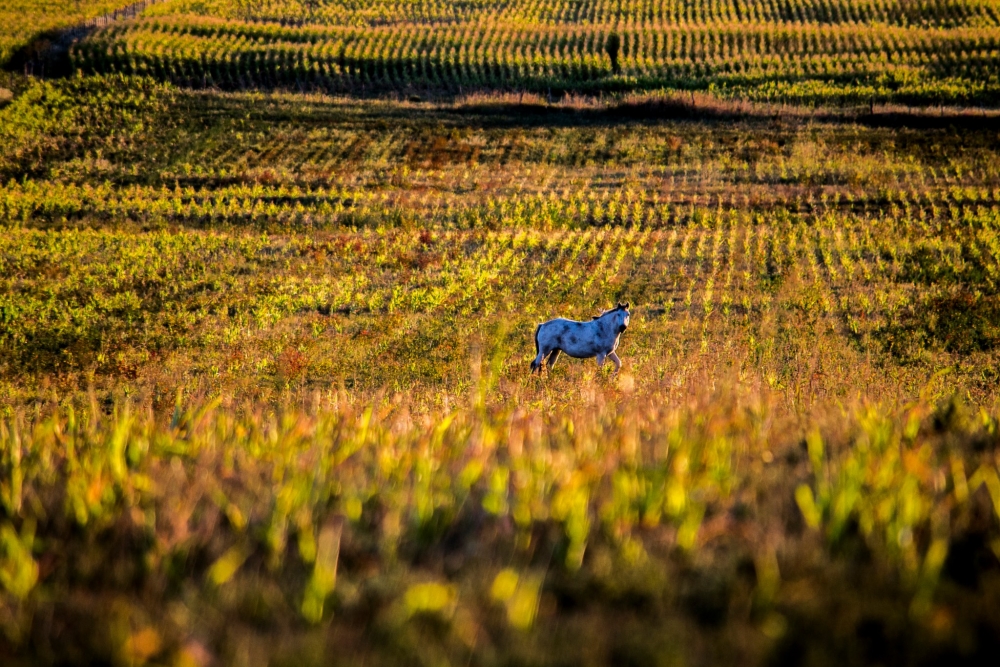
<point>600,359</point>
<point>616,361</point>
<point>536,365</point>
<point>553,357</point>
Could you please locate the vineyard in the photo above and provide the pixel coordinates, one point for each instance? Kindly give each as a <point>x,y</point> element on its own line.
<point>842,52</point>
<point>269,275</point>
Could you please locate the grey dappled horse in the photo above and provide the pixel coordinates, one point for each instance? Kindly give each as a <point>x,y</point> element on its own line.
<point>582,340</point>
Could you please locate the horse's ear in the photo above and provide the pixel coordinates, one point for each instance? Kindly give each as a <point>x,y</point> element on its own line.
<point>626,305</point>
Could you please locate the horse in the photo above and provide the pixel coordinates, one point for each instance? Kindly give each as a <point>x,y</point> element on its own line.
<point>581,340</point>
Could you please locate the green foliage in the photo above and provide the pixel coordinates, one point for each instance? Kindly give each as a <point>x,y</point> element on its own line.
<point>107,118</point>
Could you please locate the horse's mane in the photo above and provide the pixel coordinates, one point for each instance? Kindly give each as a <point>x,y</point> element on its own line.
<point>608,311</point>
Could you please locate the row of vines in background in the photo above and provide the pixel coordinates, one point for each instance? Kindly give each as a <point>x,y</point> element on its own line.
<point>930,13</point>
<point>575,60</point>
<point>22,21</point>
<point>305,206</point>
<point>792,58</point>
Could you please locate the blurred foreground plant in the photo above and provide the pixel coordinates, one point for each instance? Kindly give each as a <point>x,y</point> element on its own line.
<point>901,481</point>
<point>328,502</point>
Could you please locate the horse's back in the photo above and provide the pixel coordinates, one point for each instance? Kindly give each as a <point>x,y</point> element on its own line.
<point>561,324</point>
<point>563,320</point>
<point>577,339</point>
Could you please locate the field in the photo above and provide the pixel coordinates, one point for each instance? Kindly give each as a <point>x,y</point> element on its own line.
<point>269,277</point>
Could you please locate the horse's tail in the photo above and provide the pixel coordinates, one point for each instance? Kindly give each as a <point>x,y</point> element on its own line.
<point>534,362</point>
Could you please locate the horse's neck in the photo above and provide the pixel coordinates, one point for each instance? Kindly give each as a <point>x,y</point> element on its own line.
<point>605,326</point>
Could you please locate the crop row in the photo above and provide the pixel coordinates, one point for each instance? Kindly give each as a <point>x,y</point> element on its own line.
<point>929,13</point>
<point>678,161</point>
<point>41,203</point>
<point>236,54</point>
<point>166,284</point>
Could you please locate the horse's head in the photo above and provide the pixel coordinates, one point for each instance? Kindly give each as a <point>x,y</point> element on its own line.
<point>622,316</point>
